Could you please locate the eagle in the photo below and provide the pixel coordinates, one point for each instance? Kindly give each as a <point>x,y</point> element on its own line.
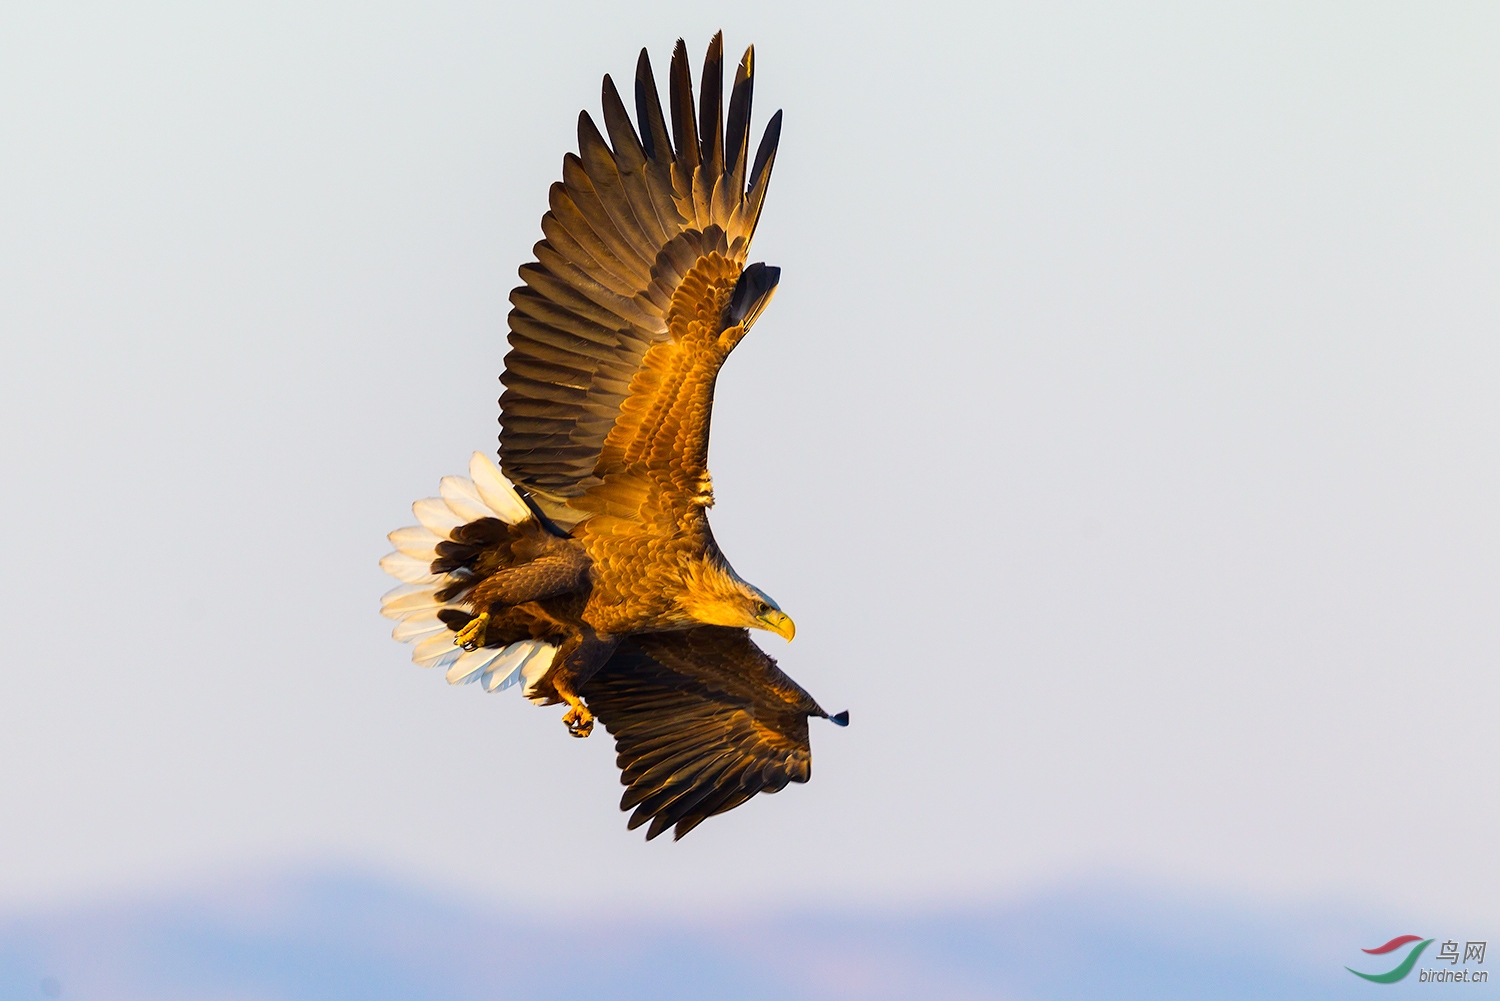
<point>582,567</point>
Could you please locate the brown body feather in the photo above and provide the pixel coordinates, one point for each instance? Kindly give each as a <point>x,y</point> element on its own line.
<point>638,294</point>
<point>644,525</point>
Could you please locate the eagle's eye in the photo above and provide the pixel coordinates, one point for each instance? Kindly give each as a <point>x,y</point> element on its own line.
<point>761,608</point>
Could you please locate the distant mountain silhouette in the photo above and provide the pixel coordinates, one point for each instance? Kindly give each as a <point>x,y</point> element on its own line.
<point>327,936</point>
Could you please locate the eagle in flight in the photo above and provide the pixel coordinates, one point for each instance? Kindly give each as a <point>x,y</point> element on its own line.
<point>583,567</point>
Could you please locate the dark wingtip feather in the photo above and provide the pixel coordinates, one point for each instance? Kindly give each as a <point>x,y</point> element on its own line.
<point>685,825</point>
<point>751,293</point>
<point>659,823</point>
<point>842,719</point>
<point>648,114</point>
<point>767,150</point>
<point>684,115</point>
<point>711,107</point>
<point>737,129</point>
<point>760,175</point>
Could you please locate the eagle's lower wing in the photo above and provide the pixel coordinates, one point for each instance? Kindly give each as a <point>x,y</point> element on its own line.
<point>631,219</point>
<point>702,720</point>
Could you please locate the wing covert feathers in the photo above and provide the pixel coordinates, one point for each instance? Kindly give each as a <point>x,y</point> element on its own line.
<point>639,206</point>
<point>638,292</point>
<point>703,720</point>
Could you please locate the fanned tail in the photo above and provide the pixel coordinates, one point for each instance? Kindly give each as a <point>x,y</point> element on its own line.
<point>428,606</point>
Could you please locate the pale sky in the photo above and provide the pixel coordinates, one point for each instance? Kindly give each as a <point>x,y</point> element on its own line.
<point>1123,439</point>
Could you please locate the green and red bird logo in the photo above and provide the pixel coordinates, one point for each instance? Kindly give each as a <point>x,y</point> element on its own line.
<point>1404,967</point>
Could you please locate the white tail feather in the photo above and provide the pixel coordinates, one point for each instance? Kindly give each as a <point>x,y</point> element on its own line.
<point>415,604</point>
<point>409,569</point>
<point>463,499</point>
<point>437,516</point>
<point>437,650</point>
<point>535,667</point>
<point>408,633</point>
<point>417,627</point>
<point>496,490</point>
<point>505,672</point>
<point>472,664</point>
<point>415,541</point>
<point>399,602</point>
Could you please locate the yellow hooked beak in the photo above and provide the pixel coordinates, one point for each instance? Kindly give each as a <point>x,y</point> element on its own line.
<point>779,622</point>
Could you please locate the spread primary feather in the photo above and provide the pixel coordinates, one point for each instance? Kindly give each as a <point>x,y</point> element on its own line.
<point>584,565</point>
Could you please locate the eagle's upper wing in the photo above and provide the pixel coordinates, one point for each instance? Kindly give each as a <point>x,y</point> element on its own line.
<point>629,222</point>
<point>702,721</point>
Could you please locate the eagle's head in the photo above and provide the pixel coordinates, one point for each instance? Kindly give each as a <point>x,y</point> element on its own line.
<point>717,596</point>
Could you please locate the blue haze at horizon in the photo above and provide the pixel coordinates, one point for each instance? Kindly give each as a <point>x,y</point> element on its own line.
<point>1122,439</point>
<point>347,934</point>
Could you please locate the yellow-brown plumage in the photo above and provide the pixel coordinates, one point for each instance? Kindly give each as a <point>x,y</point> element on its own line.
<point>645,529</point>
<point>639,292</point>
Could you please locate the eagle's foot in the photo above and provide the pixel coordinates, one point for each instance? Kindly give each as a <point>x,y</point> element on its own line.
<point>471,636</point>
<point>579,721</point>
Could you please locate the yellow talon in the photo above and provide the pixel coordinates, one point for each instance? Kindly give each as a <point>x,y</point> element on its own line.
<point>471,636</point>
<point>579,721</point>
